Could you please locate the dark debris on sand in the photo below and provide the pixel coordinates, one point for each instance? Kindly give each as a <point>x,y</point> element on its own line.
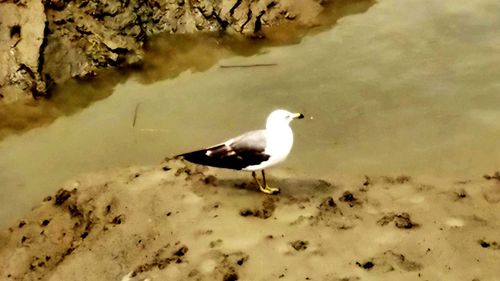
<point>367,265</point>
<point>349,198</point>
<point>495,176</point>
<point>401,220</point>
<point>299,245</point>
<point>267,210</point>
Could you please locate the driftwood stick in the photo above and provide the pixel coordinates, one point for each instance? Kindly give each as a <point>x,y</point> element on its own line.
<point>248,65</point>
<point>135,114</point>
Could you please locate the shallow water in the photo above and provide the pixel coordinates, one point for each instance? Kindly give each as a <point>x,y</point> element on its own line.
<point>406,87</point>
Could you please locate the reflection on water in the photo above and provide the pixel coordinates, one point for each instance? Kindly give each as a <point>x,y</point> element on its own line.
<point>403,88</point>
<point>167,56</point>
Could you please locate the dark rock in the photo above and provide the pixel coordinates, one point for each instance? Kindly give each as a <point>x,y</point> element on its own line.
<point>401,220</point>
<point>367,265</point>
<point>117,220</point>
<point>231,277</point>
<point>299,245</point>
<point>21,224</point>
<point>268,207</point>
<point>241,261</point>
<point>350,199</point>
<point>181,252</point>
<point>211,180</point>
<point>61,196</point>
<point>327,204</point>
<point>347,197</point>
<point>15,30</point>
<point>74,211</point>
<point>495,176</point>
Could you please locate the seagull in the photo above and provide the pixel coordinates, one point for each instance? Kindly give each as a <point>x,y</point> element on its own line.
<point>252,151</point>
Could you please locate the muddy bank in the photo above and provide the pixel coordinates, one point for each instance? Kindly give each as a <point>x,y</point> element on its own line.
<point>181,222</point>
<point>22,25</point>
<point>50,41</point>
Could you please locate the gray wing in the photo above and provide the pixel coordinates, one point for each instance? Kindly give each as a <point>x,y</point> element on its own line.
<point>252,141</point>
<point>237,153</point>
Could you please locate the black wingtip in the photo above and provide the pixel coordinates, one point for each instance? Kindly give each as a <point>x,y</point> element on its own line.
<point>301,116</point>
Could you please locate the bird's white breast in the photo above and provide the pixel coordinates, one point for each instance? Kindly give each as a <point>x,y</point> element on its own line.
<point>278,145</point>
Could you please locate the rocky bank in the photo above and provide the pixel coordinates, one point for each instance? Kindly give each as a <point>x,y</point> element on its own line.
<point>50,41</point>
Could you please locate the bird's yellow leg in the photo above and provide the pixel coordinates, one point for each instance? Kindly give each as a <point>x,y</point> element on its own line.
<point>256,180</point>
<point>267,189</point>
<point>264,187</point>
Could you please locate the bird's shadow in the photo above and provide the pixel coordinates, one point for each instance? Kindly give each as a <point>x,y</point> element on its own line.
<point>288,187</point>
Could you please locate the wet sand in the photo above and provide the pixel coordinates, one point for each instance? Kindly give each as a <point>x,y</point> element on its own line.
<point>177,221</point>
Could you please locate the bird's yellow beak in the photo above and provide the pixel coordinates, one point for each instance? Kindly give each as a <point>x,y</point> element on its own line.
<point>298,115</point>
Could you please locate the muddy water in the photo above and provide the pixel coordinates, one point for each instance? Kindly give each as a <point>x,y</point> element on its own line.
<point>406,87</point>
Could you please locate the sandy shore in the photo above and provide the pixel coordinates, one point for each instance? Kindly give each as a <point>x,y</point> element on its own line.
<point>181,222</point>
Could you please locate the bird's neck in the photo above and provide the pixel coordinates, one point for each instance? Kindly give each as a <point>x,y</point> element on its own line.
<point>279,129</point>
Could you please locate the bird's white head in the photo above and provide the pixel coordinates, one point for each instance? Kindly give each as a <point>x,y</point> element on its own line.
<point>280,117</point>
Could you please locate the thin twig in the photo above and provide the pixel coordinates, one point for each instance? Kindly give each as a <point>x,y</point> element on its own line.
<point>135,114</point>
<point>153,130</point>
<point>248,65</point>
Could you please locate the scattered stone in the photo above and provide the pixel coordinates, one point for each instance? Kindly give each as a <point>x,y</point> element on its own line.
<point>401,261</point>
<point>403,179</point>
<point>108,209</point>
<point>484,244</point>
<point>21,224</point>
<point>215,243</point>
<point>367,181</point>
<point>241,261</point>
<point>183,170</point>
<point>493,245</point>
<point>61,196</point>
<point>299,245</point>
<point>322,186</point>
<point>350,199</point>
<point>211,180</point>
<point>327,204</point>
<point>182,251</point>
<point>74,211</point>
<point>117,220</point>
<point>401,220</point>
<point>367,265</point>
<point>495,176</point>
<point>460,194</point>
<point>268,207</point>
<point>161,262</point>
<point>400,179</point>
<point>231,277</point>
